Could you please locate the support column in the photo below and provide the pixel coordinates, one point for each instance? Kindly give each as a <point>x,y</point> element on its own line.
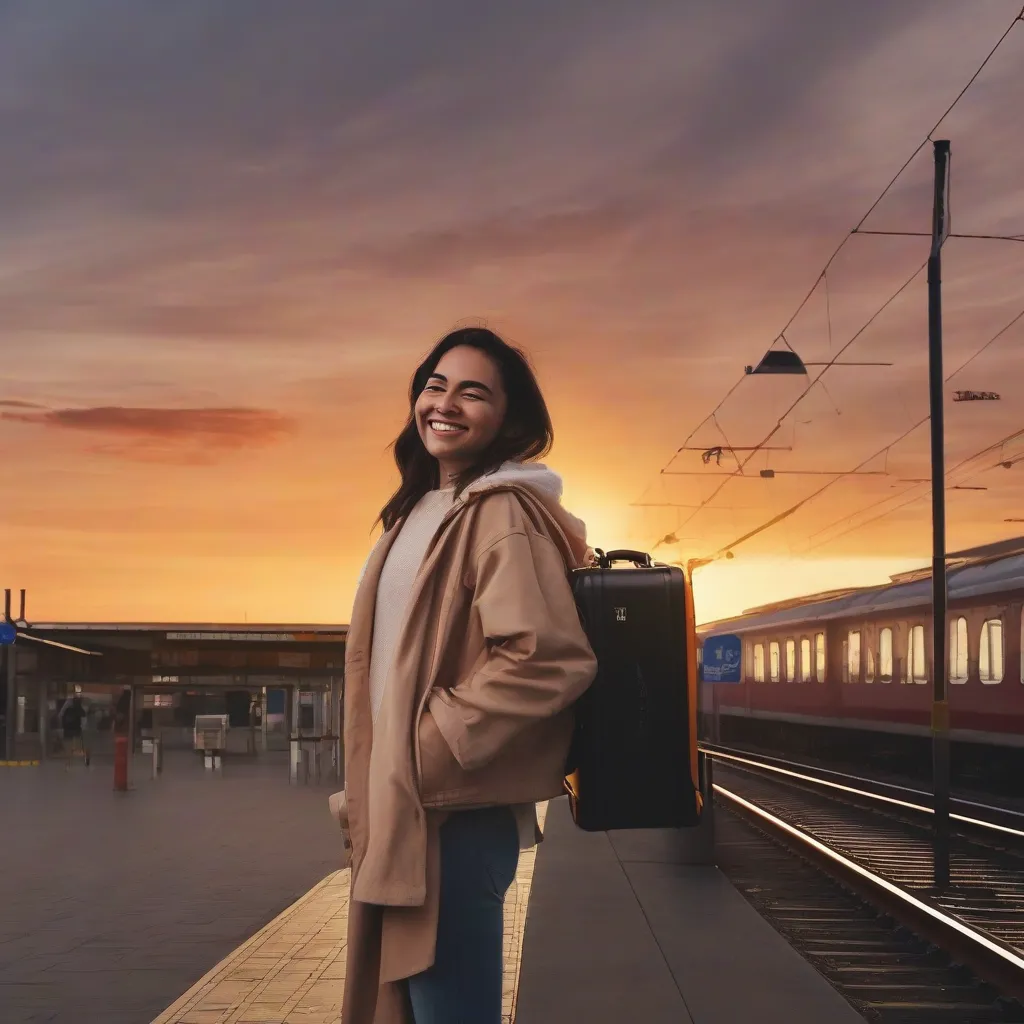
<point>263,720</point>
<point>132,711</point>
<point>337,718</point>
<point>294,747</point>
<point>940,697</point>
<point>44,719</point>
<point>11,710</point>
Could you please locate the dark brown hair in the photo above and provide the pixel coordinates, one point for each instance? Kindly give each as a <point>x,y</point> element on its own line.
<point>525,434</point>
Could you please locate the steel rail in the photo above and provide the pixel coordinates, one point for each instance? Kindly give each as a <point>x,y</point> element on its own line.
<point>721,753</point>
<point>996,961</point>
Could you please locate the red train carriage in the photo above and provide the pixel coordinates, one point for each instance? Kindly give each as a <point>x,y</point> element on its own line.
<point>861,659</point>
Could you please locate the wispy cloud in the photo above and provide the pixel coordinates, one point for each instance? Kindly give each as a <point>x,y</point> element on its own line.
<point>189,436</point>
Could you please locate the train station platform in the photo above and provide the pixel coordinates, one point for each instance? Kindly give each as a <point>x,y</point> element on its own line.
<point>633,926</point>
<point>292,971</point>
<point>599,929</point>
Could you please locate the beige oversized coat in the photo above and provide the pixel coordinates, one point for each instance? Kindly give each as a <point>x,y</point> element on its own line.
<point>478,714</point>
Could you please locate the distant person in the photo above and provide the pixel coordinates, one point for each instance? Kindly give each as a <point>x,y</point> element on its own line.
<point>465,654</point>
<point>255,720</point>
<point>123,713</point>
<point>71,718</point>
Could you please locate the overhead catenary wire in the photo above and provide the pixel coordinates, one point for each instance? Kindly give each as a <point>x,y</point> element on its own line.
<point>873,519</point>
<point>729,447</point>
<point>927,234</point>
<point>675,504</point>
<point>917,497</point>
<point>857,229</point>
<point>803,394</point>
<point>768,474</point>
<point>882,451</point>
<point>920,423</point>
<point>991,341</point>
<point>928,138</point>
<point>822,276</point>
<point>914,484</point>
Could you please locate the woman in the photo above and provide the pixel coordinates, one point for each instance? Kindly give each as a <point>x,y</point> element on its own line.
<point>464,657</point>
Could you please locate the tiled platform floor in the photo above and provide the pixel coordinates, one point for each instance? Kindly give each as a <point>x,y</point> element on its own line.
<point>292,970</point>
<point>113,904</point>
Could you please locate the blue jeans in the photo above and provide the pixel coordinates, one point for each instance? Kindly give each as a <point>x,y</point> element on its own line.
<point>479,855</point>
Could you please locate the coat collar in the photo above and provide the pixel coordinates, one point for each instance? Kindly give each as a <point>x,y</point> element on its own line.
<point>361,626</point>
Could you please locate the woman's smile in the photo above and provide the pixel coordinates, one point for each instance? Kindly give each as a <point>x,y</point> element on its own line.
<point>445,427</point>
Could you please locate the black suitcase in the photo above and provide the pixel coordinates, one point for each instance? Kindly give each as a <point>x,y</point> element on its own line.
<point>633,760</point>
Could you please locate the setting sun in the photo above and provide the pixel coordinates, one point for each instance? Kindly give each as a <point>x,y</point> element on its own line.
<point>726,588</point>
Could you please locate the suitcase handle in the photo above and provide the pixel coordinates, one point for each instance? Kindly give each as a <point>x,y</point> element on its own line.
<point>638,558</point>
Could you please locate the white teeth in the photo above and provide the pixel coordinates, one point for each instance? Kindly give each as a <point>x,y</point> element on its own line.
<point>444,427</point>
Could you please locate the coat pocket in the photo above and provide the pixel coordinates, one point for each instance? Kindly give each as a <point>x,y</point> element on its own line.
<point>440,773</point>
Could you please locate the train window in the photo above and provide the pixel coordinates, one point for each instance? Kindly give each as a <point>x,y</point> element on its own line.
<point>748,662</point>
<point>758,663</point>
<point>869,664</point>
<point>805,660</point>
<point>790,661</point>
<point>990,656</point>
<point>958,651</point>
<point>773,657</point>
<point>917,664</point>
<point>853,656</point>
<point>819,657</point>
<point>885,655</point>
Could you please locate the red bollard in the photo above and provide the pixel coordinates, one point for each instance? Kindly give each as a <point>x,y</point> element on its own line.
<point>121,764</point>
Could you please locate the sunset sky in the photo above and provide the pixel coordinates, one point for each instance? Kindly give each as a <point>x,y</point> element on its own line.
<point>231,230</point>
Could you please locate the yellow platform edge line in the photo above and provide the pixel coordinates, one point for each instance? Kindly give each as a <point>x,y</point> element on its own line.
<point>19,764</point>
<point>174,1010</point>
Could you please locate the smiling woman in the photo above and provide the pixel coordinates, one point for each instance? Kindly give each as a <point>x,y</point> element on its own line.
<point>463,659</point>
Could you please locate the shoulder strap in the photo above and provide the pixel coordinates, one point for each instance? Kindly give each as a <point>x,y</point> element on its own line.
<point>546,522</point>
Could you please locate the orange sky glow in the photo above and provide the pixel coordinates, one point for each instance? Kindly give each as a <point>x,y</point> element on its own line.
<point>224,256</point>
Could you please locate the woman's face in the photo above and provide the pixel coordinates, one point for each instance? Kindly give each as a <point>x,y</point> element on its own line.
<point>461,409</point>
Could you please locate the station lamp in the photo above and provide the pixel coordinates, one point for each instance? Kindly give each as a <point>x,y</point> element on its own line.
<point>779,360</point>
<point>786,361</point>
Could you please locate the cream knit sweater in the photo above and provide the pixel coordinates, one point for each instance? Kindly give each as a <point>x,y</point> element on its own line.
<point>394,591</point>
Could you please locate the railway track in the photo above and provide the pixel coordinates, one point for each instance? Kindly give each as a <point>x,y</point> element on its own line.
<point>888,973</point>
<point>897,962</point>
<point>966,811</point>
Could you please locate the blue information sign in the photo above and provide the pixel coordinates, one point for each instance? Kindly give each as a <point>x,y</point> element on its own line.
<point>722,659</point>
<point>7,633</point>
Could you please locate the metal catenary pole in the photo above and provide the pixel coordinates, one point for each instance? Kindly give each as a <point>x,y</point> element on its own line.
<point>10,680</point>
<point>940,701</point>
